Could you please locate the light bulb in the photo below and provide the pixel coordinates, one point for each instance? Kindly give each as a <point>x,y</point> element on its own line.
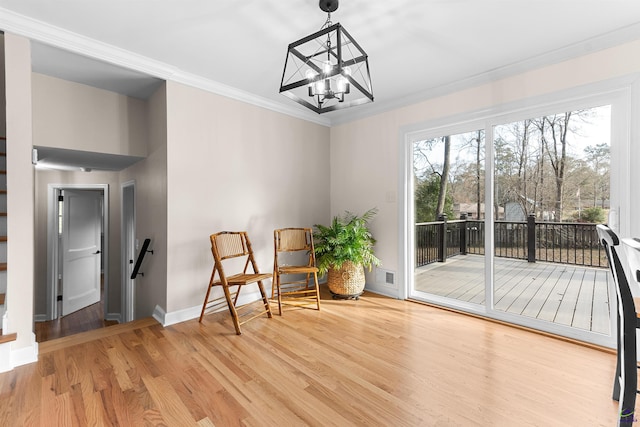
<point>310,74</point>
<point>342,84</point>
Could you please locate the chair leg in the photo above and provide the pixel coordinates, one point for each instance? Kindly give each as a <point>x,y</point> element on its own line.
<point>232,308</point>
<point>279,294</point>
<point>206,297</point>
<point>265,300</point>
<point>629,378</point>
<point>616,379</point>
<point>315,281</point>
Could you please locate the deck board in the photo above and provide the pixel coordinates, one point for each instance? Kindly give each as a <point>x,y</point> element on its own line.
<point>600,313</point>
<point>543,295</point>
<point>584,304</point>
<point>565,294</point>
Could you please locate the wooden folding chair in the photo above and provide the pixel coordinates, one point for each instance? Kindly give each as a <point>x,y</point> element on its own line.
<point>232,248</point>
<point>294,264</point>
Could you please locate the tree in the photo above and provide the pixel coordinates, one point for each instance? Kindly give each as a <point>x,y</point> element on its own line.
<point>553,134</point>
<point>444,176</point>
<point>593,215</point>
<point>426,200</point>
<point>598,157</point>
<point>478,141</point>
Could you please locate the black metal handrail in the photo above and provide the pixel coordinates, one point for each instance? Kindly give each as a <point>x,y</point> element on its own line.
<point>143,252</point>
<point>560,242</point>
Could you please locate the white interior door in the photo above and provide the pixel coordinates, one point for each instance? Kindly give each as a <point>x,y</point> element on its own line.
<point>82,224</point>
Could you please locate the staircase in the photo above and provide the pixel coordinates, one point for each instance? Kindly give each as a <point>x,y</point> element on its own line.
<point>3,240</point>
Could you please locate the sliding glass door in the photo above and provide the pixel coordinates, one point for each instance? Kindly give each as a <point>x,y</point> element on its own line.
<point>501,214</point>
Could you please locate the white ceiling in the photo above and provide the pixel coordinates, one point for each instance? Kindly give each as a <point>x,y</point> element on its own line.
<point>416,48</point>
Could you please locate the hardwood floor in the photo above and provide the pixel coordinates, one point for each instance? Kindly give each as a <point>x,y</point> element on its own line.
<point>376,362</point>
<point>87,319</point>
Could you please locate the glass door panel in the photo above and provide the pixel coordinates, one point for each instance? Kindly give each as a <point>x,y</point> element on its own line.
<point>449,211</point>
<point>551,188</point>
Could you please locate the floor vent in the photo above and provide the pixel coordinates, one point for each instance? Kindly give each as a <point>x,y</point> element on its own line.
<point>385,277</point>
<point>389,278</point>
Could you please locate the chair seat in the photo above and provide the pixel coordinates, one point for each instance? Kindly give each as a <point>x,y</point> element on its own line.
<point>245,279</point>
<point>296,269</point>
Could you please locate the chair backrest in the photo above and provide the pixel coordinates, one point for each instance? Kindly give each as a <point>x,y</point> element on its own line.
<point>610,241</point>
<point>627,323</point>
<point>294,240</point>
<point>232,244</point>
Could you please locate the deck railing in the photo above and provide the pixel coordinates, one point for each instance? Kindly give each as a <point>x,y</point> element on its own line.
<point>561,242</point>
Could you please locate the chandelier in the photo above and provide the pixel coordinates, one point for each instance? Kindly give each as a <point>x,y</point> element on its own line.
<point>327,70</point>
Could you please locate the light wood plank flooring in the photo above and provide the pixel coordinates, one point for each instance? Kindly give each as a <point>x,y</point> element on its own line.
<point>376,362</point>
<point>565,294</point>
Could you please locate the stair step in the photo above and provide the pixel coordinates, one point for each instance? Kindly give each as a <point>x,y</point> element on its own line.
<point>3,214</point>
<point>3,267</point>
<point>8,337</point>
<point>3,172</point>
<point>3,238</point>
<point>3,296</point>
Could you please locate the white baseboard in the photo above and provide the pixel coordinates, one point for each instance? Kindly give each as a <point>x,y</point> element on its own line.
<point>113,316</point>
<point>382,290</point>
<point>173,317</point>
<point>24,355</point>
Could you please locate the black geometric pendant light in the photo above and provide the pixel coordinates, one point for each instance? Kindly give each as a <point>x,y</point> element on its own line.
<point>327,70</point>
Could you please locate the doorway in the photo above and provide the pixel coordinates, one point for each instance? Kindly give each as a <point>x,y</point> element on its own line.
<point>77,246</point>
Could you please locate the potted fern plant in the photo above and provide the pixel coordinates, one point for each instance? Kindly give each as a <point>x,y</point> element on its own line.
<point>343,250</point>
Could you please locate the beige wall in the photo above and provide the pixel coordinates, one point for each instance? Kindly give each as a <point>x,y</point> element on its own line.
<point>359,182</point>
<point>150,176</point>
<point>234,166</point>
<point>75,116</point>
<point>20,193</point>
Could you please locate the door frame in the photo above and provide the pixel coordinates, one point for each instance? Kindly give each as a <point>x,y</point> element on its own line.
<point>53,244</point>
<point>128,234</point>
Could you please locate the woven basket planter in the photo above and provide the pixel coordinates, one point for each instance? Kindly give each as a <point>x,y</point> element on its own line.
<point>346,282</point>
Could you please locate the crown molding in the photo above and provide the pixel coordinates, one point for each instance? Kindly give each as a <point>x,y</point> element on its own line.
<point>246,97</point>
<point>72,42</point>
<point>60,38</point>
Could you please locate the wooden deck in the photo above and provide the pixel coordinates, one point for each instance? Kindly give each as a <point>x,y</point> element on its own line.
<point>565,294</point>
